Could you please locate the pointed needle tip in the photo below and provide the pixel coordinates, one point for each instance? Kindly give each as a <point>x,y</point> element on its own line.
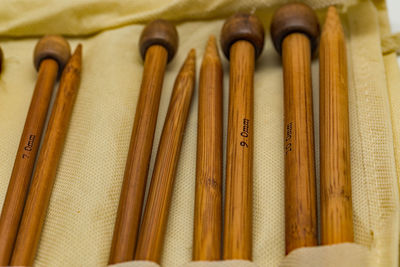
<point>191,58</point>
<point>190,62</point>
<point>78,49</point>
<point>75,60</point>
<point>192,53</point>
<point>211,40</point>
<point>332,13</point>
<point>332,21</point>
<point>211,48</point>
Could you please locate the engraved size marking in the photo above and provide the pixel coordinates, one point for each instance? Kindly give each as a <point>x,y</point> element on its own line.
<point>245,132</point>
<point>211,182</point>
<point>288,138</point>
<point>29,146</point>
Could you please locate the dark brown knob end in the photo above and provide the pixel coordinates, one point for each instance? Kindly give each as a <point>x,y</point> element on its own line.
<point>52,46</point>
<point>159,32</point>
<point>294,18</point>
<point>242,26</point>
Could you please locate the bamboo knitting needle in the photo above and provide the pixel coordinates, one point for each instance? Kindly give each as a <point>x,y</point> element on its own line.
<point>155,217</point>
<point>242,40</point>
<point>336,206</point>
<point>50,56</point>
<point>208,210</point>
<point>38,199</point>
<point>158,44</point>
<point>295,31</point>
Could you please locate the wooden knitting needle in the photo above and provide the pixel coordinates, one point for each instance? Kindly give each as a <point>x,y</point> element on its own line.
<point>208,210</point>
<point>155,217</point>
<point>43,179</point>
<point>51,54</point>
<point>295,31</point>
<point>336,206</point>
<point>242,40</point>
<point>158,44</point>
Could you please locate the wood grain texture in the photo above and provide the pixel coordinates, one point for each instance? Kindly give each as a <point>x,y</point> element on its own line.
<point>137,164</point>
<point>300,192</point>
<point>158,43</point>
<point>242,40</point>
<point>208,201</point>
<point>155,217</point>
<point>239,157</point>
<point>25,159</point>
<point>336,205</point>
<point>43,179</point>
<point>50,55</point>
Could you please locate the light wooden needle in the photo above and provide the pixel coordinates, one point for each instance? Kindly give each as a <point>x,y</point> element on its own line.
<point>43,179</point>
<point>295,32</point>
<point>51,54</point>
<point>208,210</point>
<point>242,40</point>
<point>336,205</point>
<point>155,217</point>
<point>158,44</point>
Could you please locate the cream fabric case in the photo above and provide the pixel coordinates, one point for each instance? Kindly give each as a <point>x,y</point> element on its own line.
<point>79,225</point>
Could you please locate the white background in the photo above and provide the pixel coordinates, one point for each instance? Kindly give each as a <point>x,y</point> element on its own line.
<point>394,16</point>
